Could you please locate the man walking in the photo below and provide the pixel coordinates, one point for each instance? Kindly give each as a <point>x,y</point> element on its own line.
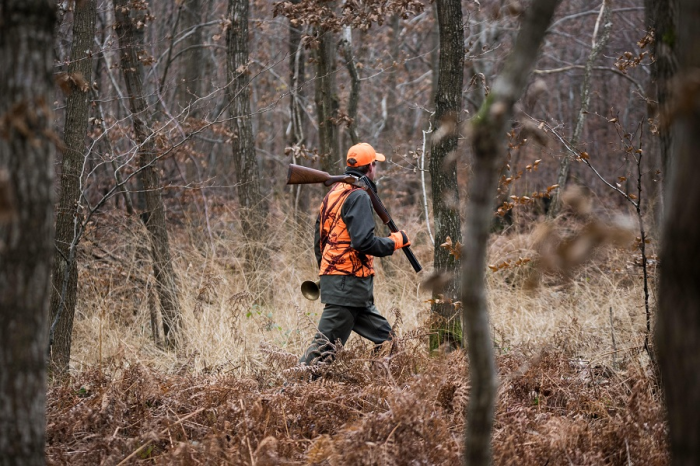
<point>345,246</point>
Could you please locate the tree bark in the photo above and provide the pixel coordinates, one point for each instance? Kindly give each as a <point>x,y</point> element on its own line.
<point>599,44</point>
<point>296,78</point>
<point>191,56</point>
<point>390,107</point>
<point>443,169</point>
<point>27,149</point>
<point>296,136</point>
<point>65,268</point>
<point>678,323</point>
<point>435,54</point>
<point>327,102</point>
<point>489,129</point>
<point>660,16</point>
<point>244,159</point>
<point>131,42</point>
<point>346,49</point>
<point>253,209</point>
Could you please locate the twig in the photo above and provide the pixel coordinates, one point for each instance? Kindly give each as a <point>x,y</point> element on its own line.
<point>639,87</point>
<point>576,154</point>
<point>627,447</point>
<point>117,174</point>
<point>612,334</point>
<point>392,432</point>
<point>170,49</point>
<point>642,245</point>
<point>135,452</point>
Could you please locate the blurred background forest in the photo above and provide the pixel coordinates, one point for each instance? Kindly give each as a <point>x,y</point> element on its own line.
<point>380,65</point>
<point>175,310</point>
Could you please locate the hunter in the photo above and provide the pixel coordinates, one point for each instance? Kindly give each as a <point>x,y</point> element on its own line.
<point>345,246</point>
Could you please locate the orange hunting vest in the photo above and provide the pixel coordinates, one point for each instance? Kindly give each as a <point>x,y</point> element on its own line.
<point>338,257</point>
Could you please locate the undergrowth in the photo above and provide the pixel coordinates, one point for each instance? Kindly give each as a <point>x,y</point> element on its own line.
<point>398,407</point>
<point>575,386</point>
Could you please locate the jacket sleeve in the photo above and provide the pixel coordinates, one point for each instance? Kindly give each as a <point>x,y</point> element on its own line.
<point>357,215</point>
<point>317,241</point>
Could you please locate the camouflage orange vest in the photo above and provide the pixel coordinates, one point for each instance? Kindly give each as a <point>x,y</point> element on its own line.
<point>338,257</point>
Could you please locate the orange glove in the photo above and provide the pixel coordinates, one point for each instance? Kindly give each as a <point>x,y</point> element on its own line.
<point>400,239</point>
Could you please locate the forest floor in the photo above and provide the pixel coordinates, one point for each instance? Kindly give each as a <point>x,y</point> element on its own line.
<point>575,385</point>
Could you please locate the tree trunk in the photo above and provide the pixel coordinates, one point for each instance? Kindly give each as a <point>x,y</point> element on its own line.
<point>604,21</point>
<point>435,54</point>
<point>678,324</point>
<point>296,79</point>
<point>353,101</point>
<point>191,56</point>
<point>443,170</point>
<point>65,268</point>
<point>489,129</point>
<point>296,135</point>
<point>390,107</point>
<point>27,149</point>
<point>253,210</point>
<point>131,42</point>
<point>660,19</point>
<point>244,159</point>
<point>327,102</point>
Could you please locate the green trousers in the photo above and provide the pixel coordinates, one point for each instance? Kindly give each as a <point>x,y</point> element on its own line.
<point>336,324</point>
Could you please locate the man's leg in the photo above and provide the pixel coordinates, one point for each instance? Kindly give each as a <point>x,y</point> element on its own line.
<point>370,324</point>
<point>336,324</point>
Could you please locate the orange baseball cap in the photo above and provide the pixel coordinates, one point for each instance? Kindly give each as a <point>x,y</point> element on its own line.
<point>363,154</point>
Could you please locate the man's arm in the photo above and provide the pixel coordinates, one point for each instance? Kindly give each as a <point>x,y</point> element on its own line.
<point>357,215</point>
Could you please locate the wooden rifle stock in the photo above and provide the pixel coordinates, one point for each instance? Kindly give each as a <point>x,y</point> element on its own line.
<point>303,175</point>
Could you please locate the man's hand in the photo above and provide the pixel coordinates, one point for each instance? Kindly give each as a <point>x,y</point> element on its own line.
<point>400,239</point>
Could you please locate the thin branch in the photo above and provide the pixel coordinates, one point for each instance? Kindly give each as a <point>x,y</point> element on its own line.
<point>596,68</point>
<point>590,13</point>
<point>422,179</point>
<point>168,61</point>
<point>598,44</point>
<point>577,156</point>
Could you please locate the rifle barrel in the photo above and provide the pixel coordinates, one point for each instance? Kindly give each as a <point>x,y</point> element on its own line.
<point>389,222</point>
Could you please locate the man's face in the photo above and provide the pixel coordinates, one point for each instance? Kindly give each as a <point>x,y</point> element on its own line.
<point>372,170</point>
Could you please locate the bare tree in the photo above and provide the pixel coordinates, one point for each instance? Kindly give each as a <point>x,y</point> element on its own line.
<point>345,47</point>
<point>65,268</point>
<point>130,32</point>
<point>489,127</point>
<point>244,159</point>
<point>389,102</point>
<point>326,100</point>
<point>252,205</point>
<point>296,78</point>
<point>678,324</point>
<point>604,21</point>
<point>191,55</point>
<point>660,21</point>
<point>443,171</point>
<point>295,133</point>
<point>27,149</point>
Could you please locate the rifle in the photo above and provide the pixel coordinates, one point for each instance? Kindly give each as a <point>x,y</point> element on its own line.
<point>303,175</point>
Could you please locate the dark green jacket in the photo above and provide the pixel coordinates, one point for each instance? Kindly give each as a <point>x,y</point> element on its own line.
<point>357,213</point>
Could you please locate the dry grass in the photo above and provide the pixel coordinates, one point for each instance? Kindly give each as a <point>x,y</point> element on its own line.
<point>567,396</point>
